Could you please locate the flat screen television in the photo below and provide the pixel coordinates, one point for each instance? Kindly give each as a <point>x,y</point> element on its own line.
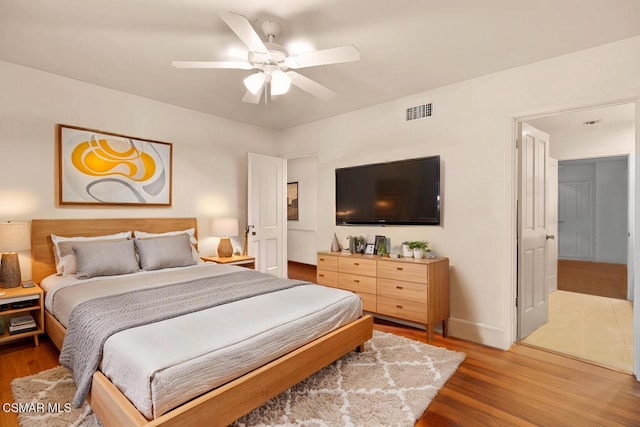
<point>404,192</point>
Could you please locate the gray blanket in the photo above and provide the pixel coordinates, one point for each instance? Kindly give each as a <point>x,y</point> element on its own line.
<point>92,322</point>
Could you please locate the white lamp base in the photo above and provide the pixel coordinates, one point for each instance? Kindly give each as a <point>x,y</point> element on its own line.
<point>10,271</point>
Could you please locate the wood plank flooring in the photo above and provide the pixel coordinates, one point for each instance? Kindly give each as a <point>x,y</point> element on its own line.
<point>593,278</point>
<point>520,387</point>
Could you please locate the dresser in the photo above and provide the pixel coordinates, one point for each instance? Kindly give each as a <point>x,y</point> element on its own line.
<point>410,289</point>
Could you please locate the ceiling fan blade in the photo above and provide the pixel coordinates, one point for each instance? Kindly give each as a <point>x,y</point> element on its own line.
<point>244,31</point>
<point>311,86</point>
<point>334,55</point>
<point>253,98</point>
<point>235,65</point>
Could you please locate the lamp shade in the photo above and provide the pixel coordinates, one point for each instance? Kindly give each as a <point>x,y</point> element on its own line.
<point>14,236</point>
<point>280,83</point>
<point>224,227</point>
<point>254,82</point>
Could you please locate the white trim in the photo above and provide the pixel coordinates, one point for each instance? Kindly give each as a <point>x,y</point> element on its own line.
<point>513,119</point>
<point>479,333</point>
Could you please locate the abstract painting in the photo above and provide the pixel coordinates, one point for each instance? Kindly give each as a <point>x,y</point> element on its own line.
<point>101,168</point>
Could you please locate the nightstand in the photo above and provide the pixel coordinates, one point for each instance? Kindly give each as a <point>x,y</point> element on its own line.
<point>241,260</point>
<point>17,302</point>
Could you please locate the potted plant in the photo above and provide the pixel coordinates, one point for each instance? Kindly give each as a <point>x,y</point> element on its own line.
<point>407,252</point>
<point>419,248</point>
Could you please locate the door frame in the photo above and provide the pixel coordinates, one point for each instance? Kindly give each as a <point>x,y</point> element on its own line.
<point>511,154</point>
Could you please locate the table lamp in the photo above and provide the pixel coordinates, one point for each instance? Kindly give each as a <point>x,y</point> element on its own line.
<point>14,237</point>
<point>224,228</point>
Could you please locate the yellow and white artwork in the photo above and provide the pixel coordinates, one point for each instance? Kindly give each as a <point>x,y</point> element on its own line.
<point>103,168</point>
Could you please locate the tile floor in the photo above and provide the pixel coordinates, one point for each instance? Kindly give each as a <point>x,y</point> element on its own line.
<point>593,328</point>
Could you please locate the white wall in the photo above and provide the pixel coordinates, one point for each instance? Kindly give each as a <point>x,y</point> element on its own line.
<point>609,184</point>
<point>611,211</point>
<point>472,132</point>
<point>209,153</point>
<point>597,141</point>
<point>301,234</point>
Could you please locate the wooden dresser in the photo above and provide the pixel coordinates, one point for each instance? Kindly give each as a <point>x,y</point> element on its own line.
<point>410,289</point>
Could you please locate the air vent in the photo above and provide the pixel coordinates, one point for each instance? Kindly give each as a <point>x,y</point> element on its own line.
<point>419,112</point>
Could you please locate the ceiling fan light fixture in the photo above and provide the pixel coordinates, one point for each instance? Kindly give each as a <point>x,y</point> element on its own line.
<point>254,82</point>
<point>280,83</point>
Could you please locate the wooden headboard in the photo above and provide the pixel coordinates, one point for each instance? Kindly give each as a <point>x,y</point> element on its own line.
<point>43,261</point>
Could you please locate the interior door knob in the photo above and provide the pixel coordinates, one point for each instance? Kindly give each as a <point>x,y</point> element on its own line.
<point>551,237</point>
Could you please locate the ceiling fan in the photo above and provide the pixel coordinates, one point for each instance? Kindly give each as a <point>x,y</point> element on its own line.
<point>274,66</point>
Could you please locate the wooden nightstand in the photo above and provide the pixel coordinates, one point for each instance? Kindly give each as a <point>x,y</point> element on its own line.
<point>241,260</point>
<point>19,301</point>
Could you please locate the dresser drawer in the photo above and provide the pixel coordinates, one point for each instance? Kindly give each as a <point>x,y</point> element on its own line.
<point>327,277</point>
<point>327,262</point>
<point>403,309</point>
<point>368,301</point>
<point>403,290</point>
<point>403,271</point>
<point>363,267</point>
<point>355,282</point>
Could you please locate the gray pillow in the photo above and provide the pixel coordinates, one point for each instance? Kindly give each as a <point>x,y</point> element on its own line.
<point>164,252</point>
<point>105,258</point>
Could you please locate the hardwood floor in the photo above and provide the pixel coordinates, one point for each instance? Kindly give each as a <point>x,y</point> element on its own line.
<point>520,387</point>
<point>593,278</point>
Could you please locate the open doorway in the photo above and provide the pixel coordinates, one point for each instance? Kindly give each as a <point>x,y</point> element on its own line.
<point>593,147</point>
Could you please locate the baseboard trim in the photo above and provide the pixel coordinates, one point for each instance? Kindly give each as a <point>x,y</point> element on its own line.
<point>479,333</point>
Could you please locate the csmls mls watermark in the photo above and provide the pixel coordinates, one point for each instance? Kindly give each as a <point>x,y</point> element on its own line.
<point>36,407</point>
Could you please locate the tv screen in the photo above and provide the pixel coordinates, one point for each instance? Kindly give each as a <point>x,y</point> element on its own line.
<point>405,192</point>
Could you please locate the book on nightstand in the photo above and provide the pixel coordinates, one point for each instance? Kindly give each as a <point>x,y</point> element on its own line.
<point>22,324</point>
<point>22,320</point>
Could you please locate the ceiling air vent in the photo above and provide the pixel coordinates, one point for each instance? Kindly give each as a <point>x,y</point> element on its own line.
<point>419,112</point>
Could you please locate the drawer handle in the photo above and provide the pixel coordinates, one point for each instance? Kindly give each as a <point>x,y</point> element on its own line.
<point>356,280</point>
<point>321,259</point>
<point>398,306</point>
<point>356,263</point>
<point>321,275</point>
<point>399,268</point>
<point>398,287</point>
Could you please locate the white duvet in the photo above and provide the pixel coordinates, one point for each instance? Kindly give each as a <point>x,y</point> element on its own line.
<point>165,364</point>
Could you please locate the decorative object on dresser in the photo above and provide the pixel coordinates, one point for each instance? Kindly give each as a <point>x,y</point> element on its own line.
<point>416,290</point>
<point>419,248</point>
<point>241,260</point>
<point>224,228</point>
<point>14,237</point>
<point>102,168</point>
<point>335,245</point>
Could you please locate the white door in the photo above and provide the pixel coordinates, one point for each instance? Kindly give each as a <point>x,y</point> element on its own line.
<point>575,220</point>
<point>267,213</point>
<point>533,298</point>
<point>552,228</point>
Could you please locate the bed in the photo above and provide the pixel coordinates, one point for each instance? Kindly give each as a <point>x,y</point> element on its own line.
<point>222,404</point>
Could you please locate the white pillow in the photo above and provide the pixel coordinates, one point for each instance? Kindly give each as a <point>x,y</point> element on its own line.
<point>66,264</point>
<point>191,232</point>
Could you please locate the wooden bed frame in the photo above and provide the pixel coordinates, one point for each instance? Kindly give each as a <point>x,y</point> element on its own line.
<point>220,406</point>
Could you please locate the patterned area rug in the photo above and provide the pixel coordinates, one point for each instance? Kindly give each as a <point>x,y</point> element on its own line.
<point>390,384</point>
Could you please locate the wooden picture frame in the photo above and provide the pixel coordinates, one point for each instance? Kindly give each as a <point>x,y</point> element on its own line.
<point>292,201</point>
<point>103,168</point>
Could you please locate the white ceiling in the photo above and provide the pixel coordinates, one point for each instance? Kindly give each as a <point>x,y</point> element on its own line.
<point>407,46</point>
<point>614,118</point>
